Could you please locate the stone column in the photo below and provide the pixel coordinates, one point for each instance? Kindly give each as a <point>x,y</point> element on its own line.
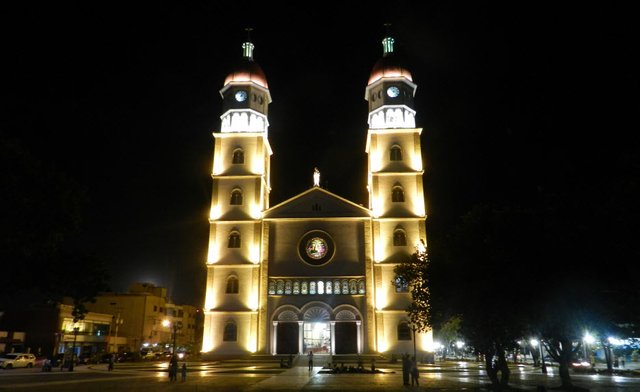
<point>359,334</point>
<point>300,336</point>
<point>333,337</point>
<point>274,338</point>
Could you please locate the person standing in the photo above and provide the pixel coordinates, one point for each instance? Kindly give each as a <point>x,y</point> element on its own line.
<point>310,360</point>
<point>173,369</point>
<point>414,372</point>
<point>110,366</point>
<point>183,372</point>
<point>405,369</point>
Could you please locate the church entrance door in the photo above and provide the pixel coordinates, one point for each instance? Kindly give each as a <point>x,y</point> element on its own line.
<point>317,337</point>
<point>287,338</point>
<point>346,338</point>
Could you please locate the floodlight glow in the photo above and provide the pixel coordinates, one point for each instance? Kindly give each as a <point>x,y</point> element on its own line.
<point>588,338</point>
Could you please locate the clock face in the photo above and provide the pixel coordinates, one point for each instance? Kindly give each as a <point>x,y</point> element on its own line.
<point>393,91</point>
<point>241,96</point>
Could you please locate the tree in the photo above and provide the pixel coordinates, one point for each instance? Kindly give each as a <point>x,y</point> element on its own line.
<point>42,215</point>
<point>414,273</point>
<point>449,332</point>
<point>484,260</point>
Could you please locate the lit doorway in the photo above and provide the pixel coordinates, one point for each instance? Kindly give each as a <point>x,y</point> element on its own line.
<point>317,337</point>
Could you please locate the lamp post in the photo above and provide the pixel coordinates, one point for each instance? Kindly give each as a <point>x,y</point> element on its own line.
<point>459,345</point>
<point>174,331</point>
<point>117,321</point>
<point>73,350</point>
<point>587,339</point>
<point>543,366</point>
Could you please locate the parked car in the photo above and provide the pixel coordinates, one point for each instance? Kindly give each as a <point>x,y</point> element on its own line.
<point>16,360</point>
<point>126,357</point>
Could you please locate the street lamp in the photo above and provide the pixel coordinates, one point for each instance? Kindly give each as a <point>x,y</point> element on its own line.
<point>174,331</point>
<point>459,345</point>
<point>588,339</point>
<point>118,321</point>
<point>543,366</point>
<point>73,350</point>
<point>534,343</point>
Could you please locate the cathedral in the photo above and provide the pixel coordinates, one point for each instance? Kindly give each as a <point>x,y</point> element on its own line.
<point>315,272</point>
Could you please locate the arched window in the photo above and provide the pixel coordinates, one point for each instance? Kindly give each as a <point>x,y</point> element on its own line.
<point>230,332</point>
<point>395,154</point>
<point>287,287</point>
<point>232,285</point>
<point>234,240</point>
<point>399,238</point>
<point>272,287</point>
<point>328,288</point>
<point>238,156</point>
<point>397,194</point>
<point>296,287</point>
<point>312,287</point>
<point>361,287</point>
<point>236,197</point>
<point>280,287</point>
<point>353,287</point>
<point>345,287</point>
<point>304,289</point>
<point>404,332</point>
<point>336,286</point>
<point>320,287</point>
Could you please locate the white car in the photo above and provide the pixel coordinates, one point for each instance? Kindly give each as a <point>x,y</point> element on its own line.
<point>16,360</point>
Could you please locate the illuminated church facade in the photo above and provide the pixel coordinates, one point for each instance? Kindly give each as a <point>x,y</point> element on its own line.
<point>315,272</point>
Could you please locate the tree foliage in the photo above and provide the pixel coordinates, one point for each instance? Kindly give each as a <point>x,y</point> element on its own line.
<point>413,273</point>
<point>42,216</point>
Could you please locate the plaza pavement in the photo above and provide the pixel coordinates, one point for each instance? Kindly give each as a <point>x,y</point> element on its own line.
<point>245,375</point>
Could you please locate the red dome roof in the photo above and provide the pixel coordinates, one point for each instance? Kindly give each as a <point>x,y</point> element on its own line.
<point>248,71</point>
<point>388,67</point>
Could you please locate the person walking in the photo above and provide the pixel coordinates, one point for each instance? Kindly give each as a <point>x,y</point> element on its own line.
<point>173,369</point>
<point>405,369</point>
<point>414,372</point>
<point>310,360</point>
<point>110,366</point>
<point>183,372</point>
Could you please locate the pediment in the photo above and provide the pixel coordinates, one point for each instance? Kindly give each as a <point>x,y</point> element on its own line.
<point>317,203</point>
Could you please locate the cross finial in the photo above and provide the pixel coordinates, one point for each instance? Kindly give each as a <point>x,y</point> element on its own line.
<point>387,42</point>
<point>387,28</point>
<point>316,177</point>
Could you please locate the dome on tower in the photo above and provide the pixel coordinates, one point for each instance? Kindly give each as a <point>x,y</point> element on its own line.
<point>247,70</point>
<point>389,65</point>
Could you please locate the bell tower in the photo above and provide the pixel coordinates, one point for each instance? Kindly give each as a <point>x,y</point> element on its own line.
<point>396,194</point>
<point>240,193</point>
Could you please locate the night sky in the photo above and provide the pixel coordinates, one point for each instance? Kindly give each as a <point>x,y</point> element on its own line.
<point>124,100</point>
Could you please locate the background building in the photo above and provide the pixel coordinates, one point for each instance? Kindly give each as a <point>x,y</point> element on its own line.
<point>314,273</point>
<point>138,315</point>
<point>88,336</point>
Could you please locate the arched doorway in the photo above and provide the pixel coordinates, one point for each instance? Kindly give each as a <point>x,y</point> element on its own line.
<point>317,330</point>
<point>287,333</point>
<point>347,334</point>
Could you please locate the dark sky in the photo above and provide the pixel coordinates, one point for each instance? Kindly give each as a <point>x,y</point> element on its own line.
<point>124,100</point>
